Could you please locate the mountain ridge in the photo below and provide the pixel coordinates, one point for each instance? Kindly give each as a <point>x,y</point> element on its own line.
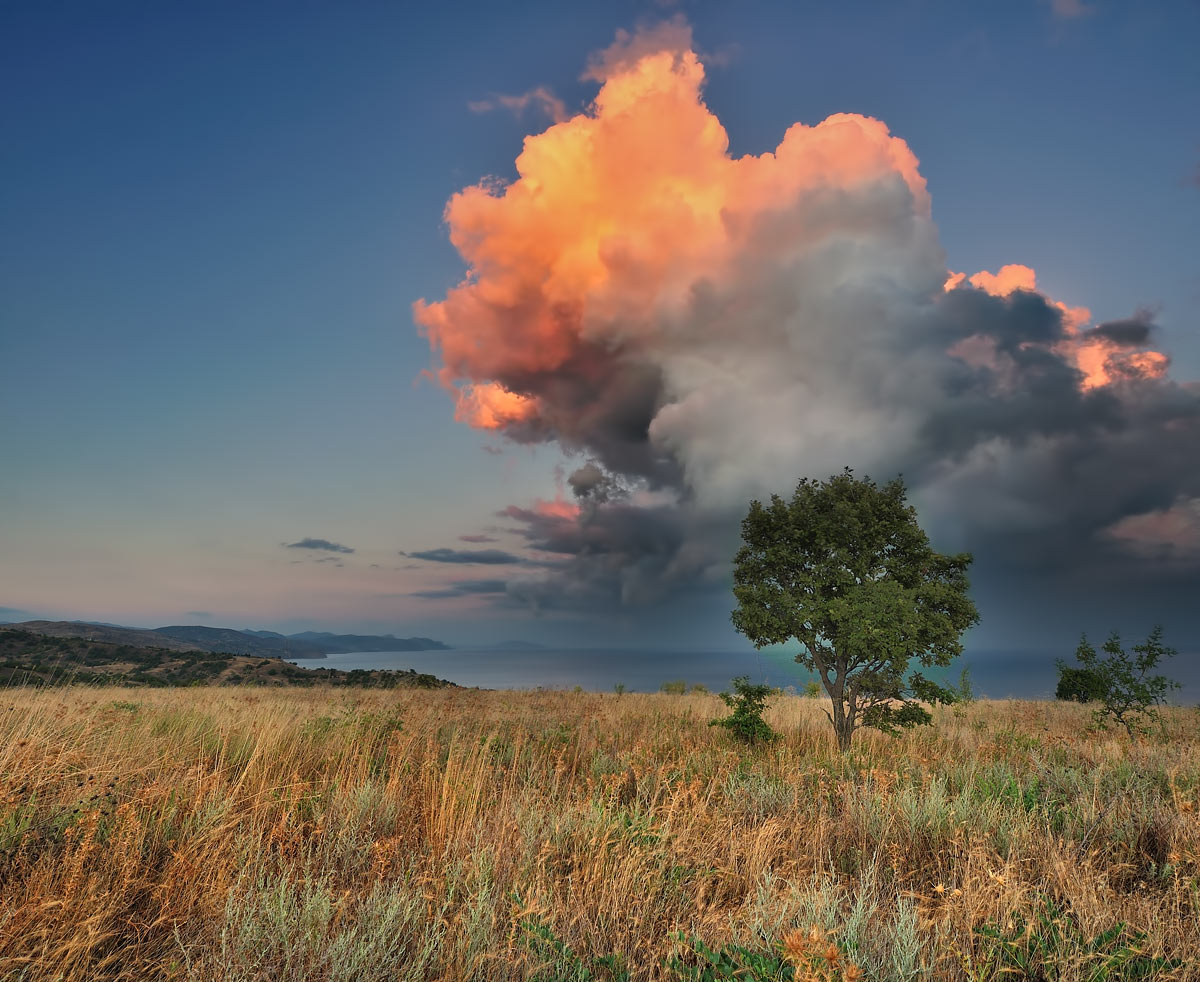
<point>226,640</point>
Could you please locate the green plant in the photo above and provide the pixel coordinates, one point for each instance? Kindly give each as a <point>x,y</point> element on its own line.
<point>812,689</point>
<point>730,963</point>
<point>619,689</point>
<point>845,569</point>
<point>745,723</point>
<point>676,687</point>
<point>565,964</point>
<point>1122,683</point>
<point>1051,945</point>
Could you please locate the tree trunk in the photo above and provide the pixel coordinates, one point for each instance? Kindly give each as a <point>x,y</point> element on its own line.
<point>843,725</point>
<point>845,730</point>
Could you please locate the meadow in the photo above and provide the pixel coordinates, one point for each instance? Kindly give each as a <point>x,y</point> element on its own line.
<point>238,833</point>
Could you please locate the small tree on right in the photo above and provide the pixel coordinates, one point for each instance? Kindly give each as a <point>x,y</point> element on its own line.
<point>1122,684</point>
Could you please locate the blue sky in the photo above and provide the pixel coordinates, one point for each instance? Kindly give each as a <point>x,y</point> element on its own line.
<point>216,218</point>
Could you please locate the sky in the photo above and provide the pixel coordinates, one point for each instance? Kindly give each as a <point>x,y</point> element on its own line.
<point>487,321</point>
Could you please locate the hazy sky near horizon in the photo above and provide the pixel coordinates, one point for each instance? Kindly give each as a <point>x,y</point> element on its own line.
<point>217,218</point>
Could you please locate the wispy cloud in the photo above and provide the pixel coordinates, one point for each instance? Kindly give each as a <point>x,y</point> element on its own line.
<point>489,557</point>
<point>320,544</point>
<point>1070,9</point>
<point>463,588</point>
<point>478,539</point>
<point>541,98</point>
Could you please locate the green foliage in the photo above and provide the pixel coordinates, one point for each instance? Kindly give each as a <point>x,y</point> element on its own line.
<point>845,569</point>
<point>674,688</point>
<point>731,963</point>
<point>619,689</point>
<point>1077,685</point>
<point>745,723</point>
<point>700,963</point>
<point>1122,684</point>
<point>1053,947</point>
<point>812,689</point>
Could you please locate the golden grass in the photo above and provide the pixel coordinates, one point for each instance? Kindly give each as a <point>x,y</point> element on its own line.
<point>218,833</point>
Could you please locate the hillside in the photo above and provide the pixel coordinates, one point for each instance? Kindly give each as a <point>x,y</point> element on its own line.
<point>30,658</point>
<point>267,644</point>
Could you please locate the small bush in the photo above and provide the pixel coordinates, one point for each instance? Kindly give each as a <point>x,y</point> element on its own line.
<point>745,723</point>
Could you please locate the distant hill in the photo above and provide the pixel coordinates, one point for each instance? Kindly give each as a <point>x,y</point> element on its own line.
<point>265,644</point>
<point>32,658</point>
<point>239,642</point>
<point>103,632</point>
<point>367,642</point>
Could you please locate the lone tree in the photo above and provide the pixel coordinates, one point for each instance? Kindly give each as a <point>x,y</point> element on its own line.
<point>1123,685</point>
<point>845,569</point>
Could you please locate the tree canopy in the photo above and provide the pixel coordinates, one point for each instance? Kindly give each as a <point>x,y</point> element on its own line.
<point>845,569</point>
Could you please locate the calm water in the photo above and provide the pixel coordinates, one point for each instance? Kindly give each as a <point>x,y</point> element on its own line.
<point>598,670</point>
<point>1027,675</point>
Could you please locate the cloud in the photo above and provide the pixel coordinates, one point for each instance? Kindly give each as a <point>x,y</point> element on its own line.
<point>1070,9</point>
<point>704,329</point>
<point>463,588</point>
<point>478,539</point>
<point>320,544</point>
<point>541,97</point>
<point>489,557</point>
<point>1130,332</point>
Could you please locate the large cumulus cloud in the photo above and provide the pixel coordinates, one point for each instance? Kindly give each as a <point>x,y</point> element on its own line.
<point>706,328</point>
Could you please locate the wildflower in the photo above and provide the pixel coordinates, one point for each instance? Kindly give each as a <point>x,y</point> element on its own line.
<point>832,954</point>
<point>795,946</point>
<point>851,973</point>
<point>939,889</point>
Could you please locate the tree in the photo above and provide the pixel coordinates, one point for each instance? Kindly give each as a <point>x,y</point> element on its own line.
<point>1122,684</point>
<point>845,569</point>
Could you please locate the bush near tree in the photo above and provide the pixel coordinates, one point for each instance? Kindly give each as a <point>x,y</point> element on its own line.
<point>746,723</point>
<point>1121,683</point>
<point>845,568</point>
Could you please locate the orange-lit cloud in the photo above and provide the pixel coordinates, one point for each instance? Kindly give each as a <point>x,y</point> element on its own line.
<point>1099,359</point>
<point>617,214</point>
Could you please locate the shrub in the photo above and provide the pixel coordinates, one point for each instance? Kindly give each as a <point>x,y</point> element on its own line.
<point>1128,693</point>
<point>745,723</point>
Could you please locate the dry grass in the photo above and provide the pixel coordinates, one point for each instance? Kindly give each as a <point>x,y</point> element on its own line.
<point>285,834</point>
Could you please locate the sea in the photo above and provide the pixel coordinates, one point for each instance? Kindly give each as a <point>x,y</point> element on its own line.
<point>998,674</point>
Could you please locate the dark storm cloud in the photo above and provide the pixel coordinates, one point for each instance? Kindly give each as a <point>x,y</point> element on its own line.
<point>1133,332</point>
<point>488,557</point>
<point>319,544</point>
<point>590,483</point>
<point>463,588</point>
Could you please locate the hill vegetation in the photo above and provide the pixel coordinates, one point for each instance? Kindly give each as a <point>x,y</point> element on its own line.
<point>27,658</point>
<point>229,833</point>
<point>226,640</point>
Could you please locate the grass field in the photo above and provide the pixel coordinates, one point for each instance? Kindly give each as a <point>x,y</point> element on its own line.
<point>253,833</point>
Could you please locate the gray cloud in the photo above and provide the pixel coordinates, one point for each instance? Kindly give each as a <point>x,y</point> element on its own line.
<point>463,588</point>
<point>319,544</point>
<point>477,539</point>
<point>488,557</point>
<point>1132,332</point>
